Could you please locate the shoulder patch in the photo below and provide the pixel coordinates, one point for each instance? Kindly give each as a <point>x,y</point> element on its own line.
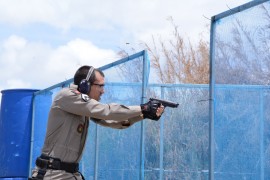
<point>85,97</point>
<point>80,128</point>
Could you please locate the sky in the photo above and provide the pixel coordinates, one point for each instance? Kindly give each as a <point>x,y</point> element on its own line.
<point>43,42</point>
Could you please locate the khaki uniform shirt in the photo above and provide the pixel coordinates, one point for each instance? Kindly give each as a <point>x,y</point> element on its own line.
<point>69,121</point>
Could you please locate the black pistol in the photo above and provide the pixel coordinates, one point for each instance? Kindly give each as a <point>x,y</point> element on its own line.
<point>165,103</point>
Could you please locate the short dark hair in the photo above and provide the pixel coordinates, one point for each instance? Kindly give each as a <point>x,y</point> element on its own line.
<point>82,72</point>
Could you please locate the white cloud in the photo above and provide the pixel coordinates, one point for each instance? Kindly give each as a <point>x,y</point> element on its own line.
<point>26,64</point>
<point>67,58</point>
<point>15,83</point>
<point>128,14</point>
<point>137,20</point>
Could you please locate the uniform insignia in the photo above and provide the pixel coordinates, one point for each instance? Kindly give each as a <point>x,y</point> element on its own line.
<point>80,128</point>
<point>85,97</point>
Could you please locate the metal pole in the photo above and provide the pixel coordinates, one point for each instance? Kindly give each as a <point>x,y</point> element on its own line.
<point>97,152</point>
<point>32,135</point>
<point>161,153</point>
<point>143,99</point>
<point>212,102</point>
<point>262,134</point>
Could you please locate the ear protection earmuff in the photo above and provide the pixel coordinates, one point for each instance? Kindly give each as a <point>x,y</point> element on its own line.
<point>85,85</point>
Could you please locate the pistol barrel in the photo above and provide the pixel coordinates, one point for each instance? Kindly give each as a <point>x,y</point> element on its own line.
<point>166,103</point>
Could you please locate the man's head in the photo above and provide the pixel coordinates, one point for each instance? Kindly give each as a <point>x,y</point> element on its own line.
<point>96,81</point>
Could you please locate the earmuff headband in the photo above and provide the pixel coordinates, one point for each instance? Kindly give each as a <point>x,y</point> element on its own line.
<point>90,73</point>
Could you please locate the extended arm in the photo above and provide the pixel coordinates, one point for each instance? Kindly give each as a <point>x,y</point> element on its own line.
<point>118,124</point>
<point>74,103</point>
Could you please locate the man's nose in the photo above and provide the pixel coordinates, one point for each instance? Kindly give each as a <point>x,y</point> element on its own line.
<point>103,91</point>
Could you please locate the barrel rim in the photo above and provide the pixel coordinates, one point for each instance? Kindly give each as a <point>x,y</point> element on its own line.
<point>19,90</point>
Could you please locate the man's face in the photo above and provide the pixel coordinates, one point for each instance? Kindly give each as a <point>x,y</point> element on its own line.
<point>97,88</point>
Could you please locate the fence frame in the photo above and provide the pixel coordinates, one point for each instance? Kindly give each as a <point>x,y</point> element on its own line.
<point>212,86</point>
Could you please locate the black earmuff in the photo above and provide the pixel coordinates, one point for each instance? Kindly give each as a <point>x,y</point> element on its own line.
<point>85,85</point>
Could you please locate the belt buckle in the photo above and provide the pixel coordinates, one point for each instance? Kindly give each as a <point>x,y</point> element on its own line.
<point>50,163</point>
<point>54,164</point>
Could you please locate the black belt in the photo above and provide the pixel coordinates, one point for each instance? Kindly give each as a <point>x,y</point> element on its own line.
<point>47,162</point>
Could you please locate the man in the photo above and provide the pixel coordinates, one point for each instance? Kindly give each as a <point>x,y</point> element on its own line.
<point>69,118</point>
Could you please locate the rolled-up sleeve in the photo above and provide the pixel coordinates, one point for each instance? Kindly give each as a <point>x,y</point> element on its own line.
<point>118,124</point>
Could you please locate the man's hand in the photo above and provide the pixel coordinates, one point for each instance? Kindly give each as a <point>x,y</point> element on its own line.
<point>152,110</point>
<point>160,110</point>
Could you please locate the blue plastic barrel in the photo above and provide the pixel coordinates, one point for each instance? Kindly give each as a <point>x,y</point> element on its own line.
<point>15,133</point>
<point>42,106</point>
